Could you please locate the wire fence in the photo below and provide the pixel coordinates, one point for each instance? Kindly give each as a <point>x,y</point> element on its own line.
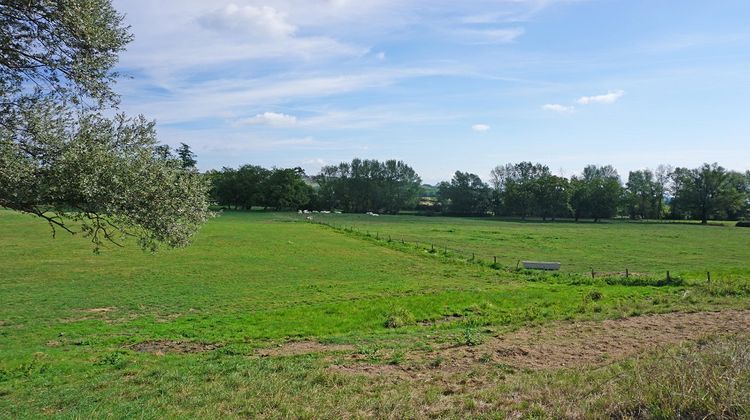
<point>430,247</point>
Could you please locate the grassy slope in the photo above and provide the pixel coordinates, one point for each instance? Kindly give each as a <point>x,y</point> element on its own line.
<point>248,280</point>
<point>688,249</point>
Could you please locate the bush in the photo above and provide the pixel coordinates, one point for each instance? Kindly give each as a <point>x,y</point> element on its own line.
<point>399,318</point>
<point>745,223</point>
<point>594,295</point>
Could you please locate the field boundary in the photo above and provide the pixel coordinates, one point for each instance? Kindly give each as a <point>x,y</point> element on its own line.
<point>626,277</point>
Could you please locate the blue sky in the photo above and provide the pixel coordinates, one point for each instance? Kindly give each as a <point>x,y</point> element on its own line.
<point>444,85</point>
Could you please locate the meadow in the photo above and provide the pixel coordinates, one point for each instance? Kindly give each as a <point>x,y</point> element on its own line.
<point>269,315</point>
<point>653,247</point>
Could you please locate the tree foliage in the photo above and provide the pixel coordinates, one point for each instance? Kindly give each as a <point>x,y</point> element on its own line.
<point>369,185</point>
<point>186,155</point>
<point>465,194</point>
<point>709,192</point>
<point>596,193</point>
<point>60,159</point>
<point>250,185</point>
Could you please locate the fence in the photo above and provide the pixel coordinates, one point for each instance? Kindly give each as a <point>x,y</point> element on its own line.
<point>428,246</point>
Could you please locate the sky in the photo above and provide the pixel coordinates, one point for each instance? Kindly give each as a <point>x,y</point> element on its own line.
<point>444,85</point>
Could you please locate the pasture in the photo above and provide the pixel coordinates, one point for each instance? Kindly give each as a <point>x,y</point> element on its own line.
<point>268,315</point>
<point>685,248</point>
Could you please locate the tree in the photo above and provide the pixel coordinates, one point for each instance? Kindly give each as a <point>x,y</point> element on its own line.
<point>706,192</point>
<point>105,181</point>
<point>60,159</point>
<point>596,193</point>
<point>466,194</point>
<point>369,185</point>
<point>643,195</point>
<point>286,189</point>
<point>663,179</point>
<point>552,196</point>
<point>186,156</point>
<point>519,188</point>
<point>242,187</point>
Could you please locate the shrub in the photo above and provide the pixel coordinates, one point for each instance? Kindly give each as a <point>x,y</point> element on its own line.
<point>470,337</point>
<point>399,318</point>
<point>594,295</point>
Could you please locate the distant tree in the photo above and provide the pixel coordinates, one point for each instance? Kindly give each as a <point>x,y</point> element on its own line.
<point>401,187</point>
<point>242,187</point>
<point>369,185</point>
<point>286,189</point>
<point>186,156</point>
<point>500,174</point>
<point>596,193</point>
<point>465,194</point>
<point>706,192</point>
<point>520,189</point>
<point>552,196</point>
<point>663,179</point>
<point>251,183</point>
<point>643,195</point>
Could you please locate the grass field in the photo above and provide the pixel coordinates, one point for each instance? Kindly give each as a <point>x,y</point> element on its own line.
<point>612,246</point>
<point>192,332</point>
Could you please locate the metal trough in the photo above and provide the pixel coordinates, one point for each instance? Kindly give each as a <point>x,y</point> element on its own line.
<point>541,265</point>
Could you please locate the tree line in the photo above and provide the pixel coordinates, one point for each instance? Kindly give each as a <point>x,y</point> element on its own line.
<point>530,190</point>
<point>359,186</point>
<point>522,190</point>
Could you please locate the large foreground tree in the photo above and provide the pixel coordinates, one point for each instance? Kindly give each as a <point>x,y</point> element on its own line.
<point>60,158</point>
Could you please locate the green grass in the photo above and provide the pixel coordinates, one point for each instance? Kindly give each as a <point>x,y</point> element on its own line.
<point>251,280</point>
<point>687,249</point>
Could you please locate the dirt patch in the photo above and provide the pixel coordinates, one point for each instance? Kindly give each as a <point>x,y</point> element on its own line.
<point>99,310</point>
<point>565,344</point>
<point>161,347</point>
<point>444,320</point>
<point>295,348</point>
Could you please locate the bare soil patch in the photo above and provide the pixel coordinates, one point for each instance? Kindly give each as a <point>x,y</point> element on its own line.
<point>564,344</point>
<point>295,348</point>
<point>444,320</point>
<point>99,310</point>
<point>161,347</point>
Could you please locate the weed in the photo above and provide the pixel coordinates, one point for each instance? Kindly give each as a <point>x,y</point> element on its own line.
<point>400,317</point>
<point>117,359</point>
<point>470,336</point>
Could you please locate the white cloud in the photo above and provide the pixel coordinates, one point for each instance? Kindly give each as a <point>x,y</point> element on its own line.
<point>480,128</point>
<point>380,55</point>
<point>562,109</point>
<point>223,98</point>
<point>270,118</point>
<point>263,21</point>
<point>316,161</point>
<point>493,36</point>
<point>608,98</point>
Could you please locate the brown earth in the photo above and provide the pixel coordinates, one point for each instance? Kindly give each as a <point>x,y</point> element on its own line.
<point>99,310</point>
<point>295,348</point>
<point>562,344</point>
<point>161,347</point>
